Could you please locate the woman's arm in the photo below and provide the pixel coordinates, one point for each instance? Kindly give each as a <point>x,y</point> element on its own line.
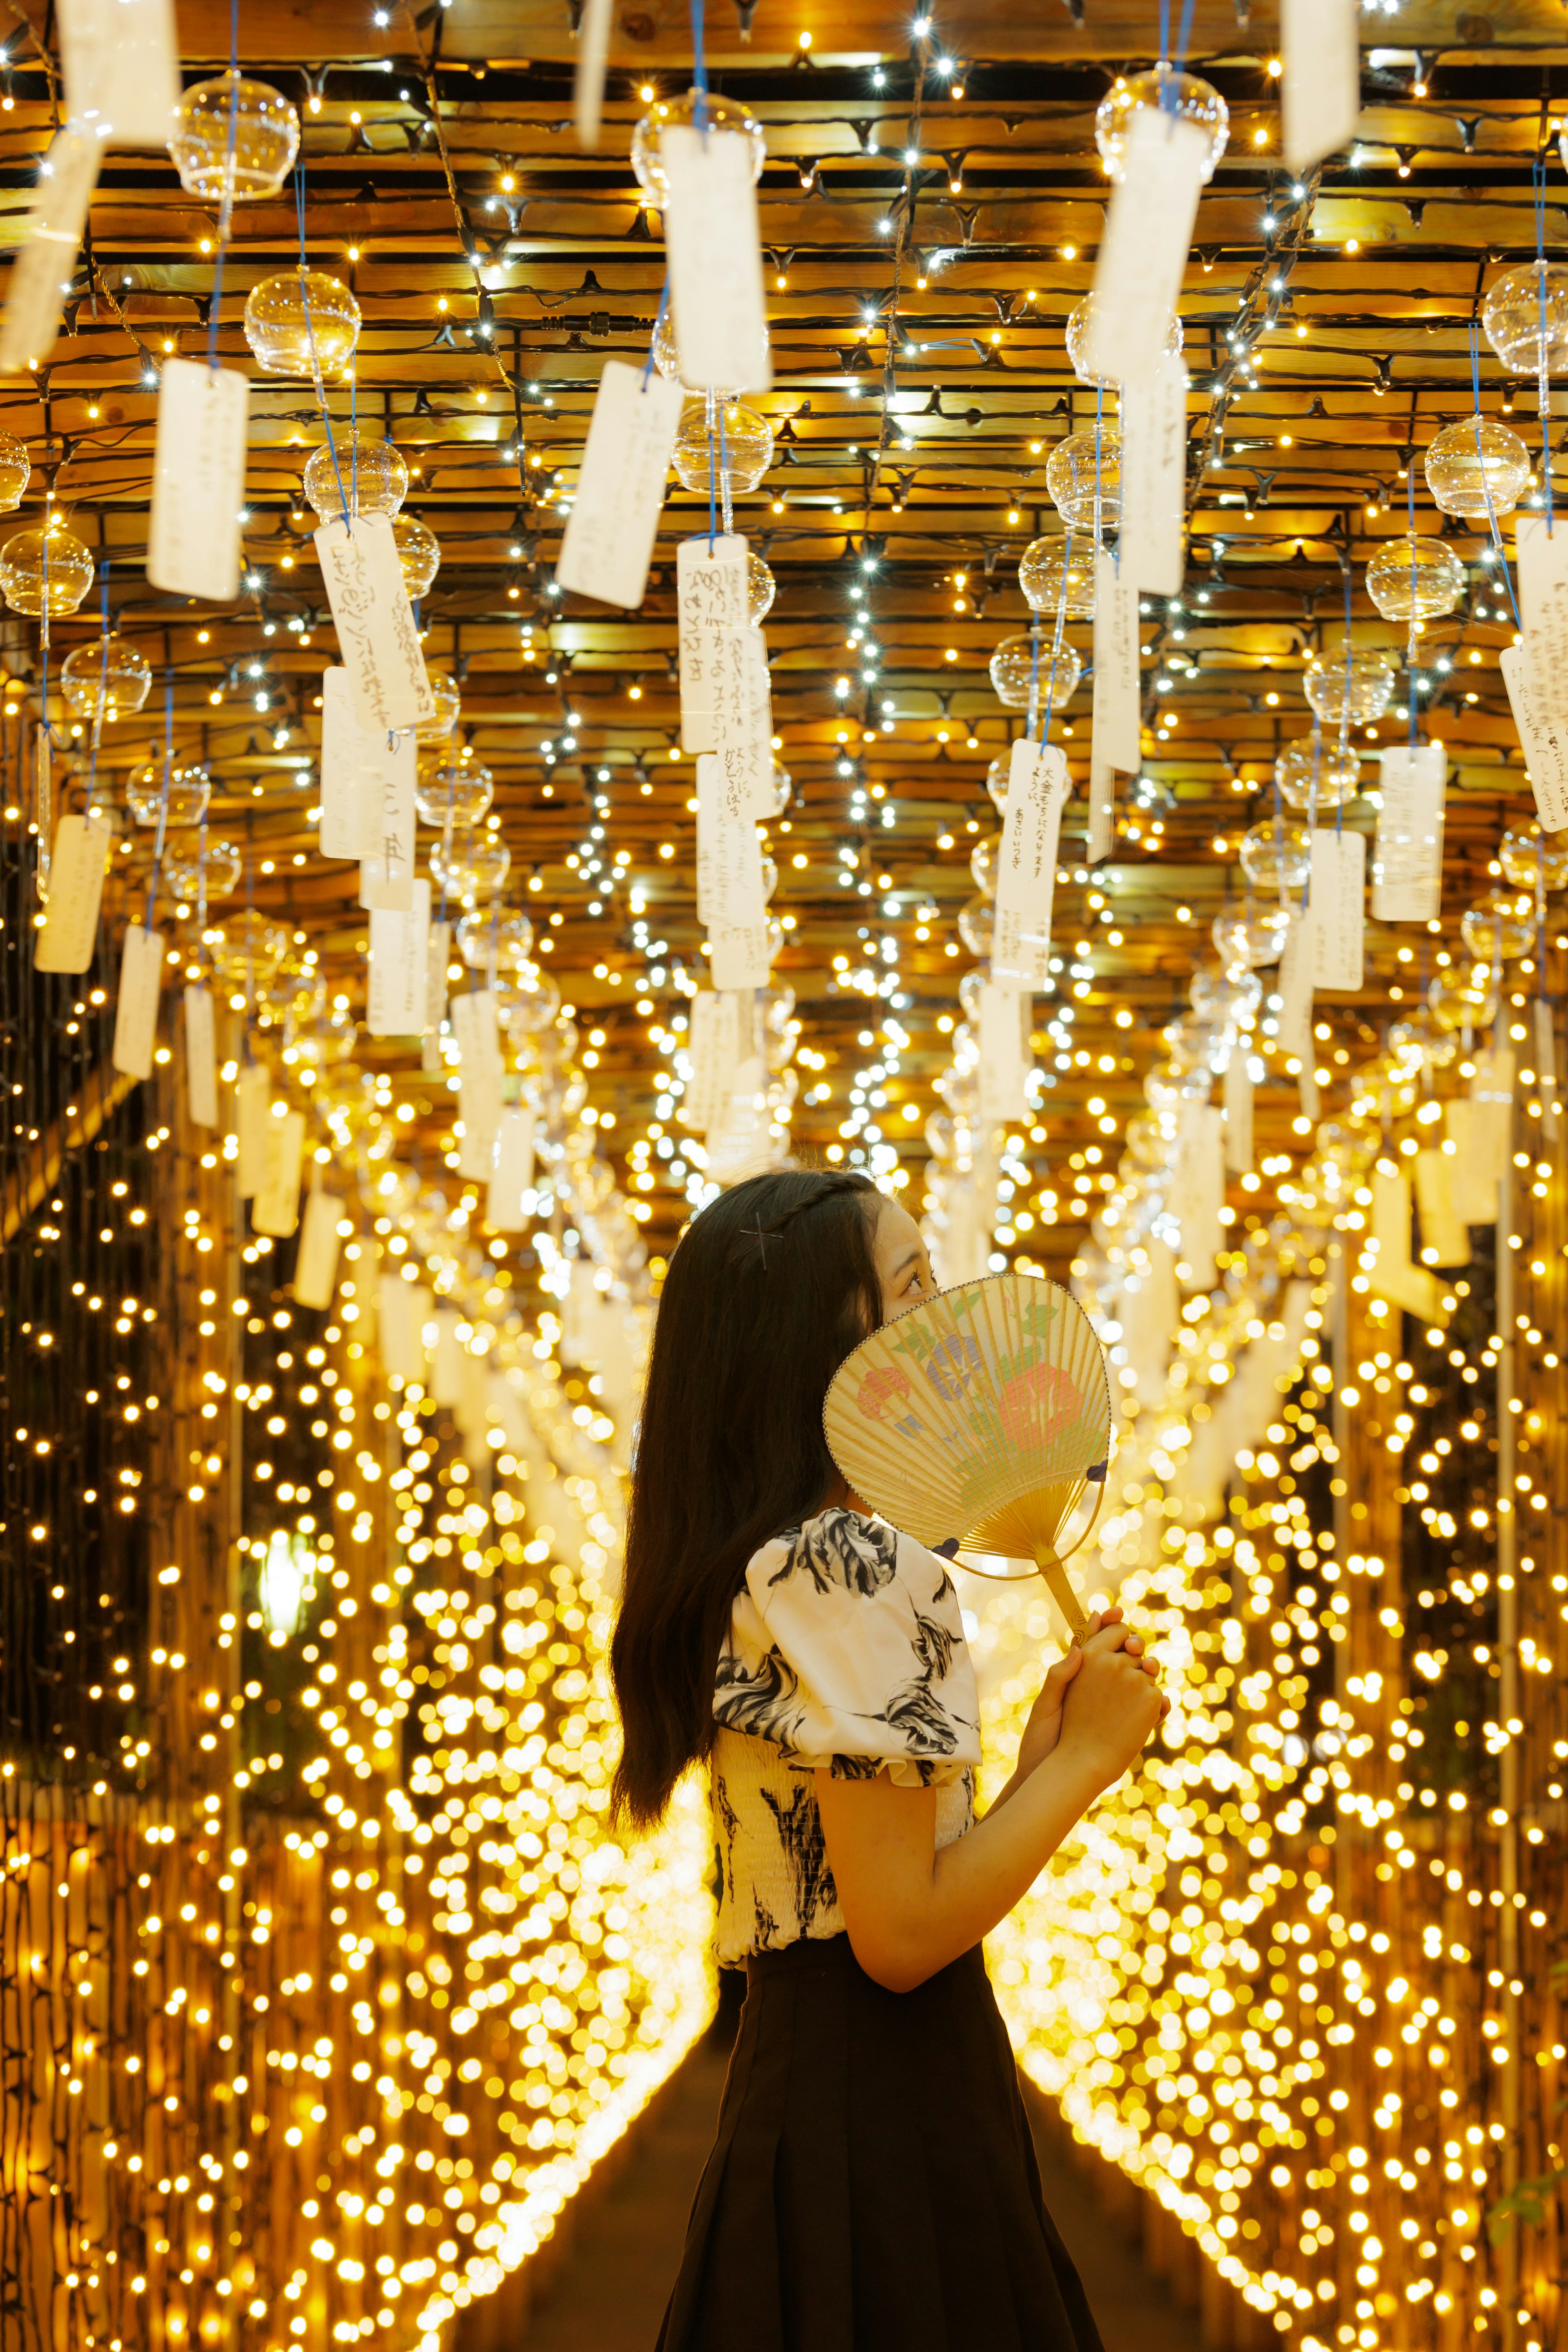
<point>910,1908</point>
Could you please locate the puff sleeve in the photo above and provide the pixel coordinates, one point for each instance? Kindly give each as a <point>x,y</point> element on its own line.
<point>845,1649</point>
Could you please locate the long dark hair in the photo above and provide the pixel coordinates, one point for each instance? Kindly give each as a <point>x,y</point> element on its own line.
<point>770,1289</point>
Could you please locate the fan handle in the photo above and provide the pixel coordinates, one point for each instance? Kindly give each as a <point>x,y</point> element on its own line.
<point>1050,1561</point>
<point>1055,1573</point>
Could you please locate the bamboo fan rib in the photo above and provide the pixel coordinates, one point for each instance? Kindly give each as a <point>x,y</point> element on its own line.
<point>978,1416</point>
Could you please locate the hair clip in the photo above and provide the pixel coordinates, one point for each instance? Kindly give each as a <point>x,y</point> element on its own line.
<point>762,1243</point>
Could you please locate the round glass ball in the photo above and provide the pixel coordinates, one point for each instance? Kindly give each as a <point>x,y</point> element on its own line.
<point>48,567</point>
<point>1276,856</point>
<point>721,116</point>
<point>302,325</point>
<point>743,447</point>
<point>983,865</point>
<point>784,789</point>
<point>1420,1044</point>
<point>418,552</point>
<point>1226,993</point>
<point>1017,676</point>
<point>1357,682</point>
<point>996,777</point>
<point>189,792</point>
<point>363,477</point>
<point>1042,568</point>
<point>1162,89</point>
<point>1194,1043</point>
<point>109,678</point>
<point>1527,854</point>
<point>1476,467</point>
<point>475,866</point>
<point>1078,343</point>
<point>456,793</point>
<point>296,995</point>
<point>334,1036</point>
<point>1415,580</point>
<point>448,705</point>
<point>1464,996</point>
<point>16,471</point>
<point>1071,478</point>
<point>976,920</point>
<point>1525,318</point>
<point>236,138</point>
<point>503,940</point>
<point>530,1004</point>
<point>1500,927</point>
<point>247,950</point>
<point>1337,780</point>
<point>184,866</point>
<point>760,590</point>
<point>1255,936</point>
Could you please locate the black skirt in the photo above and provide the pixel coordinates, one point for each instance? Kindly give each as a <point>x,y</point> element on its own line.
<point>873,2187</point>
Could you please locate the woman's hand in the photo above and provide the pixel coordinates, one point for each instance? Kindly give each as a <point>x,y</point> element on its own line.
<point>1111,1702</point>
<point>1043,1728</point>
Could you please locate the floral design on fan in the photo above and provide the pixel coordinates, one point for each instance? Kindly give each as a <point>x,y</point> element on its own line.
<point>888,1385</point>
<point>840,1549</point>
<point>952,1365</point>
<point>879,1387</point>
<point>1038,1403</point>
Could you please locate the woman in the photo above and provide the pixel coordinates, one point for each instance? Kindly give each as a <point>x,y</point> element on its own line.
<point>873,2187</point>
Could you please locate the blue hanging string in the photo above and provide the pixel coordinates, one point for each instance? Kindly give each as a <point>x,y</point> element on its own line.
<point>699,65</point>
<point>712,484</point>
<point>1167,54</point>
<point>345,508</point>
<point>225,210</point>
<point>163,796</point>
<point>1498,548</point>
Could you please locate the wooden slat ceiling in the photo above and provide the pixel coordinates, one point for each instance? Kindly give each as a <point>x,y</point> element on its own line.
<point>443,174</point>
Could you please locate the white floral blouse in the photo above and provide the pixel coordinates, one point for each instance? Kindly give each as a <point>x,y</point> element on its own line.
<point>846,1649</point>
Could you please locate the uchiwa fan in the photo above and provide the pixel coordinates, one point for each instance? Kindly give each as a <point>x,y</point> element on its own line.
<point>983,1414</point>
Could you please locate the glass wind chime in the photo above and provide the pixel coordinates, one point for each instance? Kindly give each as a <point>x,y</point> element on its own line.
<point>722,448</point>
